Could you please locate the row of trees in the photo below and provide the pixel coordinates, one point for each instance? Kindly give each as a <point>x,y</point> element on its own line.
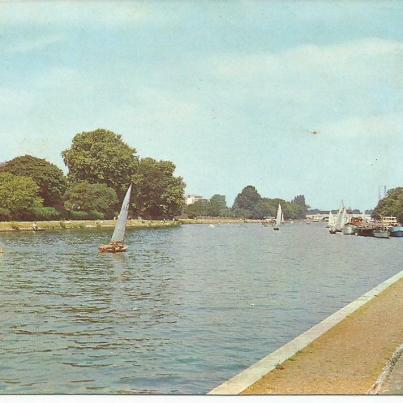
<point>391,205</point>
<point>248,204</point>
<point>100,168</point>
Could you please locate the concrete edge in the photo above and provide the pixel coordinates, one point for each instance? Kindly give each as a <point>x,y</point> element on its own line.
<point>386,373</point>
<point>249,376</point>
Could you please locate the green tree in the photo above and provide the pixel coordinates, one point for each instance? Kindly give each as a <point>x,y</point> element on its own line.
<point>391,205</point>
<point>200,208</point>
<point>267,207</point>
<point>18,194</point>
<point>101,156</point>
<point>84,196</point>
<point>217,205</point>
<point>299,207</point>
<point>248,201</point>
<point>156,191</point>
<point>50,179</point>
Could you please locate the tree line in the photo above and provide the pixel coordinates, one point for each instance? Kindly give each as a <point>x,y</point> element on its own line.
<point>391,205</point>
<point>248,204</point>
<point>100,168</point>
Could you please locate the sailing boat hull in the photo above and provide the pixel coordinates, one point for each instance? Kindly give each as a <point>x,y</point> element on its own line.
<point>110,248</point>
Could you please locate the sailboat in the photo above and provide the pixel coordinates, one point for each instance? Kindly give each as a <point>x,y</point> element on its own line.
<point>331,221</point>
<point>116,244</point>
<point>278,218</point>
<point>339,220</point>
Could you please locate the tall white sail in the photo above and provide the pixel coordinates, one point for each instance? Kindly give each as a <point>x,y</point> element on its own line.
<point>279,214</point>
<point>120,228</point>
<point>331,221</point>
<point>344,217</point>
<point>339,219</point>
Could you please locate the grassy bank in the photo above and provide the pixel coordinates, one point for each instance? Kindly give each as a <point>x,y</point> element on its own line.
<point>82,224</point>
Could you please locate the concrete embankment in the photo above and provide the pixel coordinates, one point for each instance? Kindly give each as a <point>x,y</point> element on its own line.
<point>344,354</point>
<point>83,224</point>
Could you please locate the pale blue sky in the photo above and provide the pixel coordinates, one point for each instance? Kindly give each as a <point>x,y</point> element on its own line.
<point>227,90</point>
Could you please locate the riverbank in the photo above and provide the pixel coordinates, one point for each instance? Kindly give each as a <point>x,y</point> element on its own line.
<point>82,224</point>
<point>346,359</point>
<point>219,220</point>
<point>6,226</point>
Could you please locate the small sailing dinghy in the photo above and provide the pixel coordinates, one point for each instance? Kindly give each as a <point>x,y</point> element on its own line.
<point>116,244</point>
<point>278,218</point>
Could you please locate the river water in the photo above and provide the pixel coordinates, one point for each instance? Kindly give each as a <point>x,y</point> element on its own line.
<point>185,309</point>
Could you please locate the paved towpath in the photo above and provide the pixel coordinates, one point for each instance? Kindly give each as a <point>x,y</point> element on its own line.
<point>349,358</point>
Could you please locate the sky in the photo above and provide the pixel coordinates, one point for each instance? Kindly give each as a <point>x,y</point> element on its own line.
<point>230,91</point>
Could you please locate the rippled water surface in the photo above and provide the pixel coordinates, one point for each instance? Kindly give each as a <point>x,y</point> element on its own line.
<point>185,309</point>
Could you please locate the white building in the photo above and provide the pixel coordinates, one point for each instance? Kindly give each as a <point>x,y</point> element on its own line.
<point>190,199</point>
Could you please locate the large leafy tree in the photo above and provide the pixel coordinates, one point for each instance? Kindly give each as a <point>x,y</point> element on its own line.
<point>50,179</point>
<point>200,208</point>
<point>391,205</point>
<point>217,205</point>
<point>85,196</point>
<point>247,203</point>
<point>156,191</point>
<point>299,206</point>
<point>101,156</point>
<point>18,194</point>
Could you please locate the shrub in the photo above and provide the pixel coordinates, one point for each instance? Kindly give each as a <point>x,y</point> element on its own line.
<point>79,215</point>
<point>96,215</point>
<point>45,213</point>
<point>5,214</point>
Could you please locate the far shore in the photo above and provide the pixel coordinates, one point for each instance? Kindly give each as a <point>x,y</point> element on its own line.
<point>10,226</point>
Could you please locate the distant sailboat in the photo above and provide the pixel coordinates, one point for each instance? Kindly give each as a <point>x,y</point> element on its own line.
<point>278,218</point>
<point>331,221</point>
<point>338,220</point>
<point>116,243</point>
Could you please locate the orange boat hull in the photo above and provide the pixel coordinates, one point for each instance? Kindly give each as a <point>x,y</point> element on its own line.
<point>112,248</point>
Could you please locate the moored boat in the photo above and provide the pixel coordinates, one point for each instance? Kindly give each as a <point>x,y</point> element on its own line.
<point>349,229</point>
<point>396,231</point>
<point>381,233</point>
<point>365,231</point>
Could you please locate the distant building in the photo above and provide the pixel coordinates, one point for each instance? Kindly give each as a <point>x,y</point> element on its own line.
<point>190,199</point>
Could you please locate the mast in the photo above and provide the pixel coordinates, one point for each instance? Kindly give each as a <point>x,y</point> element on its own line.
<point>120,228</point>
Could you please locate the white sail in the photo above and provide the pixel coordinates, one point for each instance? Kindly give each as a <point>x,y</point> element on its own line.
<point>282,217</point>
<point>331,221</point>
<point>279,214</point>
<point>339,219</point>
<point>120,228</point>
<point>344,217</point>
